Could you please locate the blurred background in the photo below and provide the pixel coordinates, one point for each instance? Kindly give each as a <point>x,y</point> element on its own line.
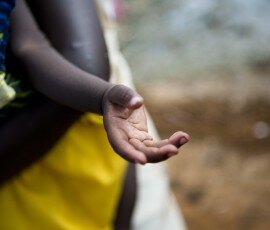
<point>203,67</point>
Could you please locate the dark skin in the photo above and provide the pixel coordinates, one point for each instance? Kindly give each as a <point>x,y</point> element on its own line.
<point>77,64</point>
<point>30,134</point>
<point>54,75</point>
<point>43,123</point>
<point>83,43</point>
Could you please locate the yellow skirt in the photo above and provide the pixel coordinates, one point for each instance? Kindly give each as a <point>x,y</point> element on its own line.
<point>76,186</point>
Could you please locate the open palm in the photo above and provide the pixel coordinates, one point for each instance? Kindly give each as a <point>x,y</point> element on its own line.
<point>126,125</point>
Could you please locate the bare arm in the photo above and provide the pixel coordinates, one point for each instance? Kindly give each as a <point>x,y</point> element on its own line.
<point>74,30</point>
<point>124,116</point>
<point>62,81</point>
<point>31,133</point>
<point>49,72</point>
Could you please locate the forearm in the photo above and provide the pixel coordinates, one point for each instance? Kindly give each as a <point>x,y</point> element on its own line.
<point>63,82</point>
<point>49,72</point>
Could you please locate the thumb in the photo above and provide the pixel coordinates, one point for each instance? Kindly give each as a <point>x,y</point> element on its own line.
<point>124,96</point>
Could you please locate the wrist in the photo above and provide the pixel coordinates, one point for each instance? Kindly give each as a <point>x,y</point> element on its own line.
<point>105,97</point>
<point>123,96</point>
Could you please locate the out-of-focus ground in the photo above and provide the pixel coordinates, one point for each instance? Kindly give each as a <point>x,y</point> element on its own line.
<point>221,178</point>
<point>203,66</point>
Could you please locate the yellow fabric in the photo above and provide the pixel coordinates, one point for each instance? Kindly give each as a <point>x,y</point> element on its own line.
<point>75,186</point>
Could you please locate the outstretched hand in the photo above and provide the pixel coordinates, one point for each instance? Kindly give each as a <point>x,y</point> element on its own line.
<point>126,125</point>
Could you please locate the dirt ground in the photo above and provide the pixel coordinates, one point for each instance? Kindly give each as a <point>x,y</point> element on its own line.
<point>221,178</point>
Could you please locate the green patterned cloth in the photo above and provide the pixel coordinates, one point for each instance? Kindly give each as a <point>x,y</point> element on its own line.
<point>14,96</point>
<point>7,93</point>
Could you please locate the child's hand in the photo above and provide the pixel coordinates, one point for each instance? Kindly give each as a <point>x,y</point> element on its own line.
<point>126,126</point>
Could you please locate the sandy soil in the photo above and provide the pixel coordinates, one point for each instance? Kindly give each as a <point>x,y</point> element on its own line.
<point>222,177</point>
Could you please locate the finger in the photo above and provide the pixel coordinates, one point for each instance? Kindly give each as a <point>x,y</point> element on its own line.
<point>128,152</point>
<point>140,135</point>
<point>157,144</point>
<point>179,138</point>
<point>122,147</point>
<point>164,153</point>
<point>125,96</point>
<point>154,154</point>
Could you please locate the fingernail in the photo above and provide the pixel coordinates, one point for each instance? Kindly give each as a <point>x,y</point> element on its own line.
<point>136,100</point>
<point>141,163</point>
<point>183,140</point>
<point>171,154</point>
